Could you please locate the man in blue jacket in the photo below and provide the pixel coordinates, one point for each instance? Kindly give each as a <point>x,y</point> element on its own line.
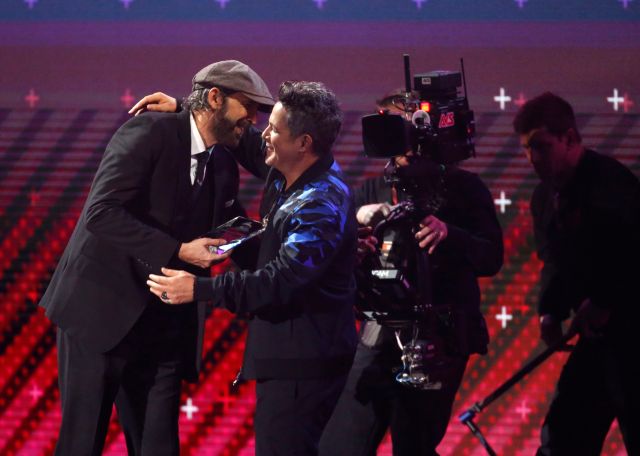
<point>301,336</point>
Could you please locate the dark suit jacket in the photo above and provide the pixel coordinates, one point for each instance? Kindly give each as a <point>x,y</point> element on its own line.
<point>137,213</point>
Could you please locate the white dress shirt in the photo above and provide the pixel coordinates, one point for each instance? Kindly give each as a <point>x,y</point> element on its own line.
<point>197,146</point>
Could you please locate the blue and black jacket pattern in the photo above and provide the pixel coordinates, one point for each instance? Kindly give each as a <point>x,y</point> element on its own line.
<point>315,217</point>
<point>300,295</point>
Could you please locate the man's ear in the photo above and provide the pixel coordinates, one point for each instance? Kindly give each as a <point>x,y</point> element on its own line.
<point>306,142</point>
<point>214,98</point>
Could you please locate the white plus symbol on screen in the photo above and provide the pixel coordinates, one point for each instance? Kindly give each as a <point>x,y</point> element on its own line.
<point>189,409</point>
<point>223,3</point>
<point>126,3</point>
<point>625,3</point>
<point>419,3</point>
<point>504,317</point>
<point>31,3</point>
<point>502,98</point>
<point>32,98</point>
<point>523,410</point>
<point>521,2</point>
<point>503,202</point>
<point>615,99</point>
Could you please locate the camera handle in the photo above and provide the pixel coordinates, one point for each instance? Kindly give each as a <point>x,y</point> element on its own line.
<point>467,417</point>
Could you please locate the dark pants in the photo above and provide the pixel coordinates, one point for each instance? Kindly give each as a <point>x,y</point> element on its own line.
<point>291,414</point>
<point>598,384</point>
<point>373,401</point>
<point>142,375</point>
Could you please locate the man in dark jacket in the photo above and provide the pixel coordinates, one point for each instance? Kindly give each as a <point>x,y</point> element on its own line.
<point>301,334</point>
<point>464,241</point>
<point>586,213</point>
<point>164,180</point>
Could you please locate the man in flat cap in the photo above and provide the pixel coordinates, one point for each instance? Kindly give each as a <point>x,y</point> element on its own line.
<point>164,180</point>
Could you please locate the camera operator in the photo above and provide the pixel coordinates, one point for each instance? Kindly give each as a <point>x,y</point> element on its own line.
<point>464,241</point>
<point>586,214</point>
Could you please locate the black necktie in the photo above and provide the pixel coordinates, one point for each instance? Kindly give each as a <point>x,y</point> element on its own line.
<point>202,158</point>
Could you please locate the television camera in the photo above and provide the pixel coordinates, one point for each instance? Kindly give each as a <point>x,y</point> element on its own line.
<point>435,130</point>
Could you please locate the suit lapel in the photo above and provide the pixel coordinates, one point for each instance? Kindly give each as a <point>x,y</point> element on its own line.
<point>184,172</point>
<point>183,164</point>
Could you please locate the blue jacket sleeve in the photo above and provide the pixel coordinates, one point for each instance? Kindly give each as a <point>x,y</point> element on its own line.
<point>314,234</point>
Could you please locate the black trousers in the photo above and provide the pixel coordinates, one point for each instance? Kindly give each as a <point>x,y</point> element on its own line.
<point>141,375</point>
<point>372,401</point>
<point>598,384</point>
<point>291,414</point>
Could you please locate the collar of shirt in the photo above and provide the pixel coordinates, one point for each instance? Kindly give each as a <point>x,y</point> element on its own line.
<point>197,146</point>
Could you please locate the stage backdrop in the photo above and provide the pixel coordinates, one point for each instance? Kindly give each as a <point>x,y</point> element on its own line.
<point>70,68</point>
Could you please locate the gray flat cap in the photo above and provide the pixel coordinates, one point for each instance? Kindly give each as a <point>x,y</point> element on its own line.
<point>238,77</point>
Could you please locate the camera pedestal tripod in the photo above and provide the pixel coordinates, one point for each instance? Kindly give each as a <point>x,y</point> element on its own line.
<point>467,417</point>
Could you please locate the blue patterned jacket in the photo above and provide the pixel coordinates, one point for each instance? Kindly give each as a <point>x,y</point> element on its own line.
<point>300,295</point>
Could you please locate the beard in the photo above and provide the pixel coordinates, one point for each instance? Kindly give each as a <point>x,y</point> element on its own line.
<point>224,129</point>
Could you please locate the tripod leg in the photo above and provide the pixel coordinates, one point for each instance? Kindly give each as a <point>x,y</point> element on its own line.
<point>476,431</point>
<point>467,417</point>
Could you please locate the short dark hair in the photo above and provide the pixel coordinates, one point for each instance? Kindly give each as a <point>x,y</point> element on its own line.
<point>312,109</point>
<point>547,110</point>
